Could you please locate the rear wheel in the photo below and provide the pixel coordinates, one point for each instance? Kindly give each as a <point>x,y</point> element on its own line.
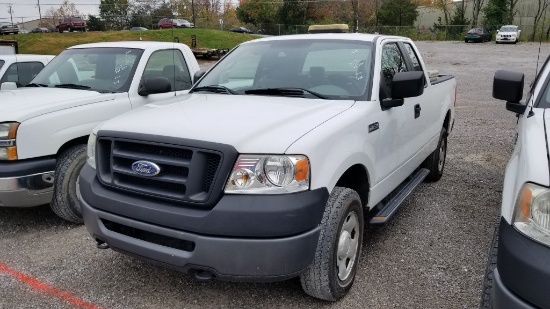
<point>65,203</point>
<point>435,163</point>
<point>59,29</point>
<point>332,272</point>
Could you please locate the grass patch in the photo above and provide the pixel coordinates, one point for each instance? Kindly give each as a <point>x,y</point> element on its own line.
<point>54,43</point>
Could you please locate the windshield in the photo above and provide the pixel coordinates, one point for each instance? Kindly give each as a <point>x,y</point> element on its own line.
<point>508,29</point>
<point>104,69</point>
<point>333,69</point>
<point>474,31</point>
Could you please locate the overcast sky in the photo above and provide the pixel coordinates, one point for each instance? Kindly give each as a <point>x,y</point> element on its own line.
<point>28,9</point>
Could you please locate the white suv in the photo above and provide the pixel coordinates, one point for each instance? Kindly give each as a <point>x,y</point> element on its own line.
<point>508,34</point>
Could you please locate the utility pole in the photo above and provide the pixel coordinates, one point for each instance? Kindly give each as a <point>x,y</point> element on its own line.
<point>39,13</point>
<point>10,10</point>
<point>193,12</point>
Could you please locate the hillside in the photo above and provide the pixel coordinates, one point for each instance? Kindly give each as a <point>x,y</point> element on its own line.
<point>54,43</point>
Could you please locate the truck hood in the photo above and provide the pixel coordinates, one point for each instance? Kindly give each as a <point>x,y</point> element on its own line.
<point>250,123</point>
<point>25,103</point>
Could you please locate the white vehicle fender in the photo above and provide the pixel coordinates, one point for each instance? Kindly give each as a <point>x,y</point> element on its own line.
<point>336,145</point>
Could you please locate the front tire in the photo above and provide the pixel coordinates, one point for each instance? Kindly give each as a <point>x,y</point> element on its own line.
<point>435,163</point>
<point>332,272</point>
<point>65,203</point>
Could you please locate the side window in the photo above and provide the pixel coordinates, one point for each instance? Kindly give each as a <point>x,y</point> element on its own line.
<point>392,63</point>
<point>413,57</point>
<point>171,64</point>
<point>22,73</point>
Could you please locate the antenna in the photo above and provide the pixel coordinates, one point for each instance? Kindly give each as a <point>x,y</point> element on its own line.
<point>540,44</point>
<point>174,39</point>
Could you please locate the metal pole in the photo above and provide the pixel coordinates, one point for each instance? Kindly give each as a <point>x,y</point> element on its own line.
<point>11,12</point>
<point>376,16</point>
<point>39,14</point>
<point>193,12</point>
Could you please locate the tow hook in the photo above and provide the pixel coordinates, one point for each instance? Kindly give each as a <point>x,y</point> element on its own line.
<point>101,244</point>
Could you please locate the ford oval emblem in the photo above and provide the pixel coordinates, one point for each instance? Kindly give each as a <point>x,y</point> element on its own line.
<point>145,168</point>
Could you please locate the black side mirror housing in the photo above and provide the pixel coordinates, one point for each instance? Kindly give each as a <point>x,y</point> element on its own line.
<point>154,85</point>
<point>405,85</point>
<point>198,75</point>
<point>508,86</point>
<point>408,84</point>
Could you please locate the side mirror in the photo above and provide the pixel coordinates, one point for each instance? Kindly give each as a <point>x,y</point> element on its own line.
<point>408,84</point>
<point>154,85</point>
<point>198,75</point>
<point>8,86</point>
<point>404,85</point>
<point>508,86</point>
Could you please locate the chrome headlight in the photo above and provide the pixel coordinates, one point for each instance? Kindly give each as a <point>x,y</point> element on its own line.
<point>532,213</point>
<point>8,147</point>
<point>90,150</point>
<point>269,174</point>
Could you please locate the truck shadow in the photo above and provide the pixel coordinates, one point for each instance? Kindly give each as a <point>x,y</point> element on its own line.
<point>32,219</point>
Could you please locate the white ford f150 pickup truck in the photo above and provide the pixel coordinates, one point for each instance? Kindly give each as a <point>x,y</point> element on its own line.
<point>267,169</point>
<point>519,266</point>
<point>44,127</point>
<point>21,69</point>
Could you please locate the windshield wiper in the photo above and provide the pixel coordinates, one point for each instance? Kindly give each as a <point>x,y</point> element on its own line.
<point>36,85</point>
<point>72,86</point>
<point>214,88</point>
<point>285,92</point>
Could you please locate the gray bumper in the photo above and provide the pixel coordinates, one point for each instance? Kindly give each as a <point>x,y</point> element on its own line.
<point>26,191</point>
<point>503,298</point>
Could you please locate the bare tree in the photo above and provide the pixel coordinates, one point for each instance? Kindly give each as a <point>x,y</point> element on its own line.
<point>512,11</point>
<point>66,9</point>
<point>542,6</point>
<point>478,4</point>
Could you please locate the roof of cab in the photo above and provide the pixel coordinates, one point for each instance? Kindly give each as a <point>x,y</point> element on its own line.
<point>23,57</point>
<point>128,44</point>
<point>328,36</point>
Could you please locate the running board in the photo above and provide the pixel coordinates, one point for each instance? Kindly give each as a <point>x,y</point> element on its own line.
<point>388,209</point>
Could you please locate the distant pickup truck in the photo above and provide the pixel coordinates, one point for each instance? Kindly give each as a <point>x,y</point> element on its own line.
<point>267,169</point>
<point>44,127</point>
<point>21,69</point>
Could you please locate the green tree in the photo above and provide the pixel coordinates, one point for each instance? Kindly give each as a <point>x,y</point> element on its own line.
<point>95,23</point>
<point>115,13</point>
<point>458,20</point>
<point>496,13</point>
<point>398,13</point>
<point>293,12</point>
<point>259,13</point>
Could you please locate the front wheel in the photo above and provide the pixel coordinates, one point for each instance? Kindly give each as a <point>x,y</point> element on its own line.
<point>332,272</point>
<point>65,203</point>
<point>435,163</point>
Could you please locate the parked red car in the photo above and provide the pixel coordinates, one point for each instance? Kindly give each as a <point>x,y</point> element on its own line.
<point>71,24</point>
<point>174,23</point>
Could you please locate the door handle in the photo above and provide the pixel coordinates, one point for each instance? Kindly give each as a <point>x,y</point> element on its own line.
<point>417,110</point>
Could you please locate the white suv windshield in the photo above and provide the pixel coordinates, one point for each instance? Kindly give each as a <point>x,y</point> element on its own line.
<point>333,69</point>
<point>508,29</point>
<point>98,69</point>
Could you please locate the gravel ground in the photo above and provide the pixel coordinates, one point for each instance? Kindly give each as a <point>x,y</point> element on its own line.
<point>431,255</point>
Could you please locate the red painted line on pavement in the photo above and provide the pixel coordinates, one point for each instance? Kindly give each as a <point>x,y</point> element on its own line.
<point>46,288</point>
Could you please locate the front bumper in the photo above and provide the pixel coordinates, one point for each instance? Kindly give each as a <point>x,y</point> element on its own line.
<point>506,40</point>
<point>243,238</point>
<point>26,183</point>
<point>522,276</point>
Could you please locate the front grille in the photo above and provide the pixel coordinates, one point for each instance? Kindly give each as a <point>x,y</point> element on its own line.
<point>187,174</point>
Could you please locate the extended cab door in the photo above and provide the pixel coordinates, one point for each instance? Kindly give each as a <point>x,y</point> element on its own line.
<point>401,134</point>
<point>167,63</point>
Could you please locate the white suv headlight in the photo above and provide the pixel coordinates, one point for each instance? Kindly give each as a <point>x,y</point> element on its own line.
<point>532,212</point>
<point>8,147</point>
<point>269,174</point>
<point>90,152</point>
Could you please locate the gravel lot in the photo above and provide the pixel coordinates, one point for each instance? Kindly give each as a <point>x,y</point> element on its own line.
<point>431,255</point>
